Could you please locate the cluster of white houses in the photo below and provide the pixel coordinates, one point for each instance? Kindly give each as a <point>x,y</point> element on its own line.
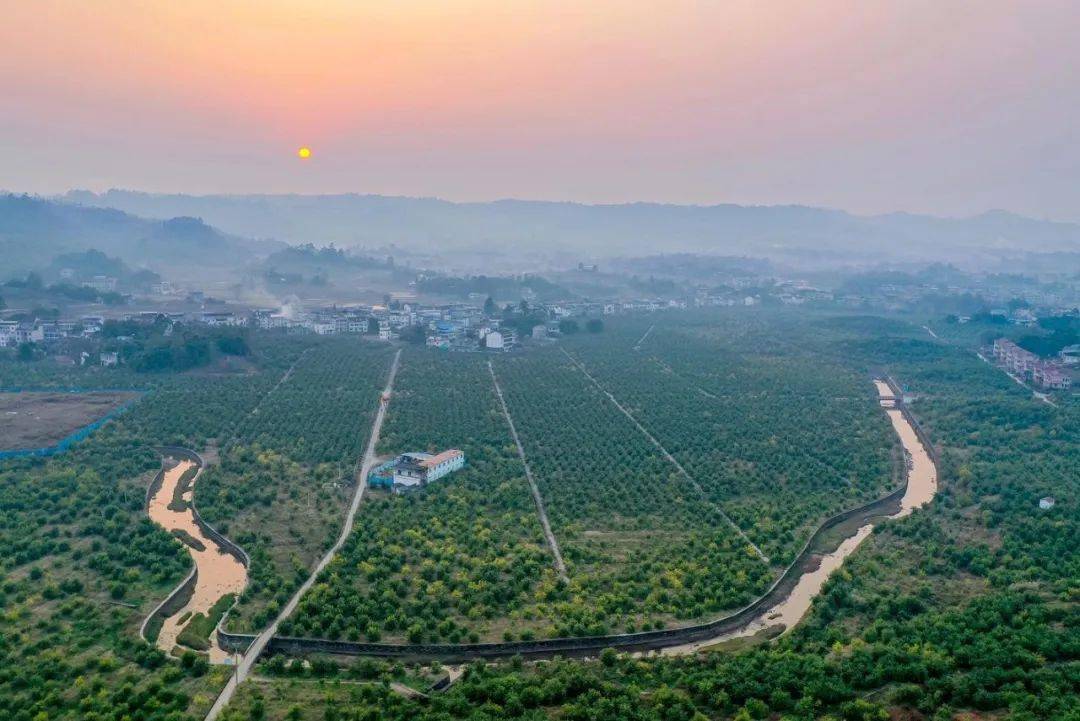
<point>415,469</point>
<point>16,332</point>
<point>1026,364</point>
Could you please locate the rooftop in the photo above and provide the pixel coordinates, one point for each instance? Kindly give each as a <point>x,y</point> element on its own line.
<point>432,461</point>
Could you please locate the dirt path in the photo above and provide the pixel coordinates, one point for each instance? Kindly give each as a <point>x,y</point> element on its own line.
<point>814,569</point>
<point>255,410</point>
<point>637,346</point>
<point>670,458</point>
<point>219,572</point>
<point>395,686</point>
<point>553,544</point>
<point>247,661</point>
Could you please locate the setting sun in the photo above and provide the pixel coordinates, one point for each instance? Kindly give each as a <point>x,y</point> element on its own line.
<point>304,153</point>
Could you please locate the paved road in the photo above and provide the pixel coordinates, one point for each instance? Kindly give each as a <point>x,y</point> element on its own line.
<point>247,662</point>
<point>552,543</point>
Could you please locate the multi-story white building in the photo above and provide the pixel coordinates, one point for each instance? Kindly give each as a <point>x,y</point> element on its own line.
<point>103,283</point>
<point>419,469</point>
<point>1070,355</point>
<point>223,318</point>
<point>1051,377</point>
<point>1028,365</point>
<point>8,333</point>
<point>1014,357</point>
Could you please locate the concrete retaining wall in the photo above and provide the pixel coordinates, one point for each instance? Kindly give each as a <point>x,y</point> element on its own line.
<point>642,641</point>
<point>172,603</point>
<point>182,593</point>
<point>588,646</point>
<point>209,531</point>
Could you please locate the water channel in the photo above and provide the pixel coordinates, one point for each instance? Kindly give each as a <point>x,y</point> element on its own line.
<point>219,572</point>
<point>921,487</point>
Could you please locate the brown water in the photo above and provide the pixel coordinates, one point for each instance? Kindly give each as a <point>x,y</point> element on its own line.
<point>922,485</point>
<point>219,572</point>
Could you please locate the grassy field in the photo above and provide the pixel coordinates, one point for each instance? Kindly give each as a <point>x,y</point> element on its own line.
<point>39,420</point>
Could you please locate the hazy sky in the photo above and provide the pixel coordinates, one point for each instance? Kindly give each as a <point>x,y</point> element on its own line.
<point>938,106</point>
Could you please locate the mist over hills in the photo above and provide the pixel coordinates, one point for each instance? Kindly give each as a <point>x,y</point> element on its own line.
<point>158,230</point>
<point>34,230</point>
<point>432,226</point>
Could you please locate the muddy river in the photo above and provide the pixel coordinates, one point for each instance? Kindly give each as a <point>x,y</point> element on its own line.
<point>219,573</point>
<point>922,485</point>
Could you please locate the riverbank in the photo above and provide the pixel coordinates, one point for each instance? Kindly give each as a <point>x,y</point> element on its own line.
<point>920,489</point>
<point>217,574</point>
<point>784,604</point>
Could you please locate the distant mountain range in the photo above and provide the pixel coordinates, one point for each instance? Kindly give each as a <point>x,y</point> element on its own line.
<point>432,226</point>
<point>33,231</point>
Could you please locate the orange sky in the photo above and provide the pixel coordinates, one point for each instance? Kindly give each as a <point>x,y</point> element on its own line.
<point>950,107</point>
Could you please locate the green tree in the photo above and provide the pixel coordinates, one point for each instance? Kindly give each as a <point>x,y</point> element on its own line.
<point>415,334</point>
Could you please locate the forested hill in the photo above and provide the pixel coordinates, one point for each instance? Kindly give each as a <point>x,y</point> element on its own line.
<point>427,224</point>
<point>34,230</point>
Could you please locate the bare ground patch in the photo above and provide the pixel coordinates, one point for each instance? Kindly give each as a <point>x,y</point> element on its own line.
<point>39,420</point>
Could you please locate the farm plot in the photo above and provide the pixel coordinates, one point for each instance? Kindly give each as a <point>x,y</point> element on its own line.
<point>460,559</point>
<point>196,410</point>
<point>40,420</point>
<point>81,568</point>
<point>285,476</point>
<point>643,546</point>
<point>798,441</point>
<point>323,412</point>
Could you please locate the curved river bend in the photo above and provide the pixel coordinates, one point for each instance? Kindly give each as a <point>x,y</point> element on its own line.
<point>219,572</point>
<point>783,614</point>
<point>921,487</point>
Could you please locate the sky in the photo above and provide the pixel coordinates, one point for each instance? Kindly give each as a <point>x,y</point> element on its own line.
<point>950,107</point>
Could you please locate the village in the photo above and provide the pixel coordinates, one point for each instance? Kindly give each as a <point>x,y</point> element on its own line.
<point>463,327</point>
<point>1028,366</point>
<point>109,336</point>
